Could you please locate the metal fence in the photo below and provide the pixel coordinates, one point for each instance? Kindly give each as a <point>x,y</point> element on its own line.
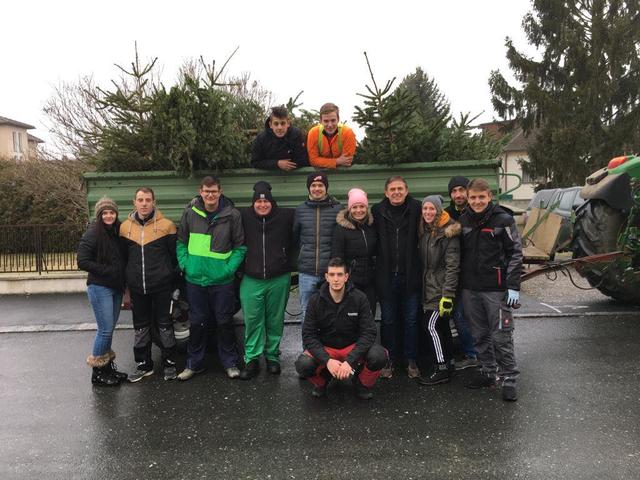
<point>39,248</point>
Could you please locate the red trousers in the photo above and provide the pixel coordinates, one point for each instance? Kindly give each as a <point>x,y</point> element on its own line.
<point>367,377</point>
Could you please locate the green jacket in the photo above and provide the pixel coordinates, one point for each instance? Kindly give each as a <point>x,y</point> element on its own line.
<point>210,252</point>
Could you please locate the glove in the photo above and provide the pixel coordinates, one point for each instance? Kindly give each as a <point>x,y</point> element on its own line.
<point>446,306</point>
<point>513,298</point>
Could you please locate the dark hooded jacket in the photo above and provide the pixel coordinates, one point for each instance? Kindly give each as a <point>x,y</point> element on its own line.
<point>397,238</point>
<point>338,325</point>
<point>357,244</point>
<point>491,250</point>
<point>269,242</point>
<point>267,149</point>
<point>440,254</point>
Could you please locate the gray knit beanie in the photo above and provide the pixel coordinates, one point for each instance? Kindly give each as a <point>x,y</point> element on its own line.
<point>436,200</point>
<point>105,203</point>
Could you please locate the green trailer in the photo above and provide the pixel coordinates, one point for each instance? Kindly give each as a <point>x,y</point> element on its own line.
<point>174,191</point>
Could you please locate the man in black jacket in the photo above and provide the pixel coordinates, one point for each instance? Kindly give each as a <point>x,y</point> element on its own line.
<point>339,336</point>
<point>491,270</point>
<point>398,272</point>
<point>264,290</point>
<point>279,145</point>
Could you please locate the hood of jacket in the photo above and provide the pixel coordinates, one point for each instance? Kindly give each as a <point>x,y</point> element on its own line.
<point>344,220</point>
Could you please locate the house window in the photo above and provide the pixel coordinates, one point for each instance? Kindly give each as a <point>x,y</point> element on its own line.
<point>17,143</point>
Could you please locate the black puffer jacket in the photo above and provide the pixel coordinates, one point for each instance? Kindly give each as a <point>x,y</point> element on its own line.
<point>491,250</point>
<point>356,243</point>
<point>313,229</point>
<point>440,254</point>
<point>107,273</point>
<point>338,325</point>
<point>269,242</point>
<point>267,149</point>
<point>390,237</point>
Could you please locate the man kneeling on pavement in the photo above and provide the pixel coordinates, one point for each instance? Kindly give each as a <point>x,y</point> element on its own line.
<point>339,336</point>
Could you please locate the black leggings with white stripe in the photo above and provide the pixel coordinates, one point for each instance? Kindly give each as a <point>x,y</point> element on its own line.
<point>439,340</point>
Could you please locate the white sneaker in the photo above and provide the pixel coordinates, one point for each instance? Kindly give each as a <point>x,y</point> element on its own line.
<point>187,374</point>
<point>233,372</point>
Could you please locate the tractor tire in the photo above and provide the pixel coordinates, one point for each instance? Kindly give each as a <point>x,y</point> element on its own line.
<point>596,230</point>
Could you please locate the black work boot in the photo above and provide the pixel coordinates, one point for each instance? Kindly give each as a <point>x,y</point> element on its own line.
<point>362,392</point>
<point>439,375</point>
<point>273,367</point>
<point>102,376</point>
<point>250,370</point>
<point>509,392</point>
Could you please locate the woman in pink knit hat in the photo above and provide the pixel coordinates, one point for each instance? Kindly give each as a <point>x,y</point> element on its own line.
<point>355,241</point>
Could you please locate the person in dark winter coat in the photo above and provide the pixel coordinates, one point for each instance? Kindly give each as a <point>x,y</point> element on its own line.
<point>264,290</point>
<point>150,241</point>
<point>398,272</point>
<point>313,227</point>
<point>100,254</point>
<point>279,145</point>
<point>339,336</point>
<point>491,270</point>
<point>440,253</point>
<point>355,240</point>
<point>458,195</point>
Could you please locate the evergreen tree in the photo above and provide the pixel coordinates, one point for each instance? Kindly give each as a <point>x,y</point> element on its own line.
<point>581,98</point>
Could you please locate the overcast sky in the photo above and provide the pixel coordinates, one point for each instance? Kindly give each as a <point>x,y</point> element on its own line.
<point>287,46</point>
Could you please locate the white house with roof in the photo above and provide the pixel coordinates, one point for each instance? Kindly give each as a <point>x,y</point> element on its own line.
<point>15,140</point>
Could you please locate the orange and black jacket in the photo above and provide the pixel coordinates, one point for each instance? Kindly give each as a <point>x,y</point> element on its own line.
<point>151,252</point>
<point>323,150</point>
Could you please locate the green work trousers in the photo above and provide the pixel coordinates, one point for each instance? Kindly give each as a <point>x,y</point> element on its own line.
<point>263,304</point>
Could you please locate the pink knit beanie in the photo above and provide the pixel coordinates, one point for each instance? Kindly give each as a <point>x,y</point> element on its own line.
<point>357,195</point>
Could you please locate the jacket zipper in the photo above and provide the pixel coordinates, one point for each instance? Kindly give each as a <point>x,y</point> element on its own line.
<point>397,249</point>
<point>264,252</point>
<point>317,241</point>
<point>144,280</point>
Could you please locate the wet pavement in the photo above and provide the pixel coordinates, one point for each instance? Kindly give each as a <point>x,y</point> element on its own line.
<point>577,416</point>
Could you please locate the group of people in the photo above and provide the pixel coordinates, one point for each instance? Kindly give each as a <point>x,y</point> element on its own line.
<point>423,263</point>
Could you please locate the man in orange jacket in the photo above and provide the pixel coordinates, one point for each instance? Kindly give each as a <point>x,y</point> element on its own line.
<point>331,144</point>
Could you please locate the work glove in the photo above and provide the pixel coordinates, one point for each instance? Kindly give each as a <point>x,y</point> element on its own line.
<point>513,298</point>
<point>446,306</point>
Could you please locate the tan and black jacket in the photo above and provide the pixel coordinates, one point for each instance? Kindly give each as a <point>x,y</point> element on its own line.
<point>151,253</point>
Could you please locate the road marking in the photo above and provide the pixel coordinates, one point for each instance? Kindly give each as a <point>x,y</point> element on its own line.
<point>552,308</point>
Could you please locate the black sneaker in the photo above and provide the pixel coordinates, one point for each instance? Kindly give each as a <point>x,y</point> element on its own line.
<point>142,370</point>
<point>437,376</point>
<point>481,380</point>
<point>509,392</point>
<point>170,372</point>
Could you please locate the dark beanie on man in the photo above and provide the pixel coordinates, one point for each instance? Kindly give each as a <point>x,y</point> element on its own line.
<point>317,177</point>
<point>262,190</point>
<point>458,181</point>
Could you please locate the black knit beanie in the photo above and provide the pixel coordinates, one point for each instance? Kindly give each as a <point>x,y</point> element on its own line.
<point>317,177</point>
<point>262,190</point>
<point>458,181</point>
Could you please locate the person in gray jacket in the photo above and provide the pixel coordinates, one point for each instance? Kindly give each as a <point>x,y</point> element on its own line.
<point>313,226</point>
<point>440,254</point>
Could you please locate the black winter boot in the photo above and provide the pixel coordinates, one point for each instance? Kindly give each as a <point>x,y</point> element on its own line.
<point>121,376</point>
<point>103,376</point>
<point>250,370</point>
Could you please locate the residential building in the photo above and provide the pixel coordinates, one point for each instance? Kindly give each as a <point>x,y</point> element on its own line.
<point>15,140</point>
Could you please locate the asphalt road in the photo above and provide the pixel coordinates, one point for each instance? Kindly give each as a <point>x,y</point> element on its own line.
<point>577,416</point>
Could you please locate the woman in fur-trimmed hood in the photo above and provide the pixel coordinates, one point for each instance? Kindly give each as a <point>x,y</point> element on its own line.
<point>440,254</point>
<point>355,241</point>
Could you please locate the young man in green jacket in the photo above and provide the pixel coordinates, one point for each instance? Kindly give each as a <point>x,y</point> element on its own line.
<point>210,249</point>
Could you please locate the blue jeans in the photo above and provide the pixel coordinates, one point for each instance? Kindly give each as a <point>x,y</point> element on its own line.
<point>106,308</point>
<point>307,286</point>
<point>399,305</point>
<point>464,333</point>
